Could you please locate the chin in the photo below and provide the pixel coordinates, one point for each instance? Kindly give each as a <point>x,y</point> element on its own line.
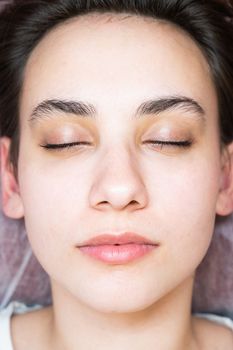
<point>119,302</point>
<point>118,307</point>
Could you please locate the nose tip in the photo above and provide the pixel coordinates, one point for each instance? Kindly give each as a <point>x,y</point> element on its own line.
<point>118,188</point>
<point>118,198</point>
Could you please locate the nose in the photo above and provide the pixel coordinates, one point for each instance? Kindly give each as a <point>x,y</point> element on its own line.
<point>118,183</point>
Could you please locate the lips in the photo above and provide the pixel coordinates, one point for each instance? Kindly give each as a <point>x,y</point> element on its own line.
<point>125,238</point>
<point>119,249</point>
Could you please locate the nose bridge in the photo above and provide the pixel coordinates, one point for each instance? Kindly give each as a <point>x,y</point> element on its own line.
<point>118,181</point>
<point>119,170</point>
<point>122,159</point>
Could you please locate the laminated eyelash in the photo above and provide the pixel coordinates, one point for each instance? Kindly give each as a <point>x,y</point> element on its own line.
<point>64,145</point>
<point>184,144</point>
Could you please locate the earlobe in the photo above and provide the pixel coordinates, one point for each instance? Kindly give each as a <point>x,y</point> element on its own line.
<point>11,200</point>
<point>224,204</point>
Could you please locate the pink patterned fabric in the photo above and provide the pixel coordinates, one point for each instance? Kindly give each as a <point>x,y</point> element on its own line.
<point>213,291</point>
<point>21,276</point>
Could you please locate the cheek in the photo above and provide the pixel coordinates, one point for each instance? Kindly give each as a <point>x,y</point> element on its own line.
<point>54,200</point>
<point>183,198</point>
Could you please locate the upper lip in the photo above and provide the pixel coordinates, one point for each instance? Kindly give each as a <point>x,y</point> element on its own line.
<point>125,238</point>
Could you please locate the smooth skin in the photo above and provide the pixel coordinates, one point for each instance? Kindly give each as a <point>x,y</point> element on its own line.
<point>120,179</point>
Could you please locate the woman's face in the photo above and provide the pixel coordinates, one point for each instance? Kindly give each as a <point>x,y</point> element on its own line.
<point>121,179</point>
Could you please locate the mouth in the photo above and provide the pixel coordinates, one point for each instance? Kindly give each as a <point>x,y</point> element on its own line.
<point>120,249</point>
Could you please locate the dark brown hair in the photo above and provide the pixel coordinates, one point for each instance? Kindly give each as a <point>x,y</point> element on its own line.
<point>24,23</point>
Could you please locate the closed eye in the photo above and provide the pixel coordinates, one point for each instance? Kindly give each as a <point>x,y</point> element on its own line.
<point>62,146</point>
<point>162,144</point>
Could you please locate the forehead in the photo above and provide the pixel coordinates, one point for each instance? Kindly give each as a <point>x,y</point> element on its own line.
<point>104,58</point>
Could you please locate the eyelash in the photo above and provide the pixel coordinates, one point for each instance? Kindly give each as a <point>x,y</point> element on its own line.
<point>181,144</point>
<point>62,146</point>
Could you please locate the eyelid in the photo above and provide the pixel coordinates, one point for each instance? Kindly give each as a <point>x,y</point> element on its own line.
<point>165,129</point>
<point>64,146</point>
<point>183,143</point>
<point>61,132</point>
<point>169,146</point>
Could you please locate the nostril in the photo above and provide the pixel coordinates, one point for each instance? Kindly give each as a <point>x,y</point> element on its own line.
<point>133,202</point>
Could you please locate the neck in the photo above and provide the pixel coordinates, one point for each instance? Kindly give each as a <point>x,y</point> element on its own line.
<point>164,325</point>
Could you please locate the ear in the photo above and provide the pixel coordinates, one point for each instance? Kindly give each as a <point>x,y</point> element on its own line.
<point>11,199</point>
<point>225,198</point>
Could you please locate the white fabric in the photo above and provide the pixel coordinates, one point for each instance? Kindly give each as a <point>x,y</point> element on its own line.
<point>20,308</point>
<point>218,319</point>
<point>5,318</point>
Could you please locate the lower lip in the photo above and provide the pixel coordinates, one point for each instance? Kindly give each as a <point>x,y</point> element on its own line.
<point>118,254</point>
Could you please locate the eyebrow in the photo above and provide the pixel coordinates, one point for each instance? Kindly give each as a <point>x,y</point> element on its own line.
<point>45,108</point>
<point>151,107</point>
